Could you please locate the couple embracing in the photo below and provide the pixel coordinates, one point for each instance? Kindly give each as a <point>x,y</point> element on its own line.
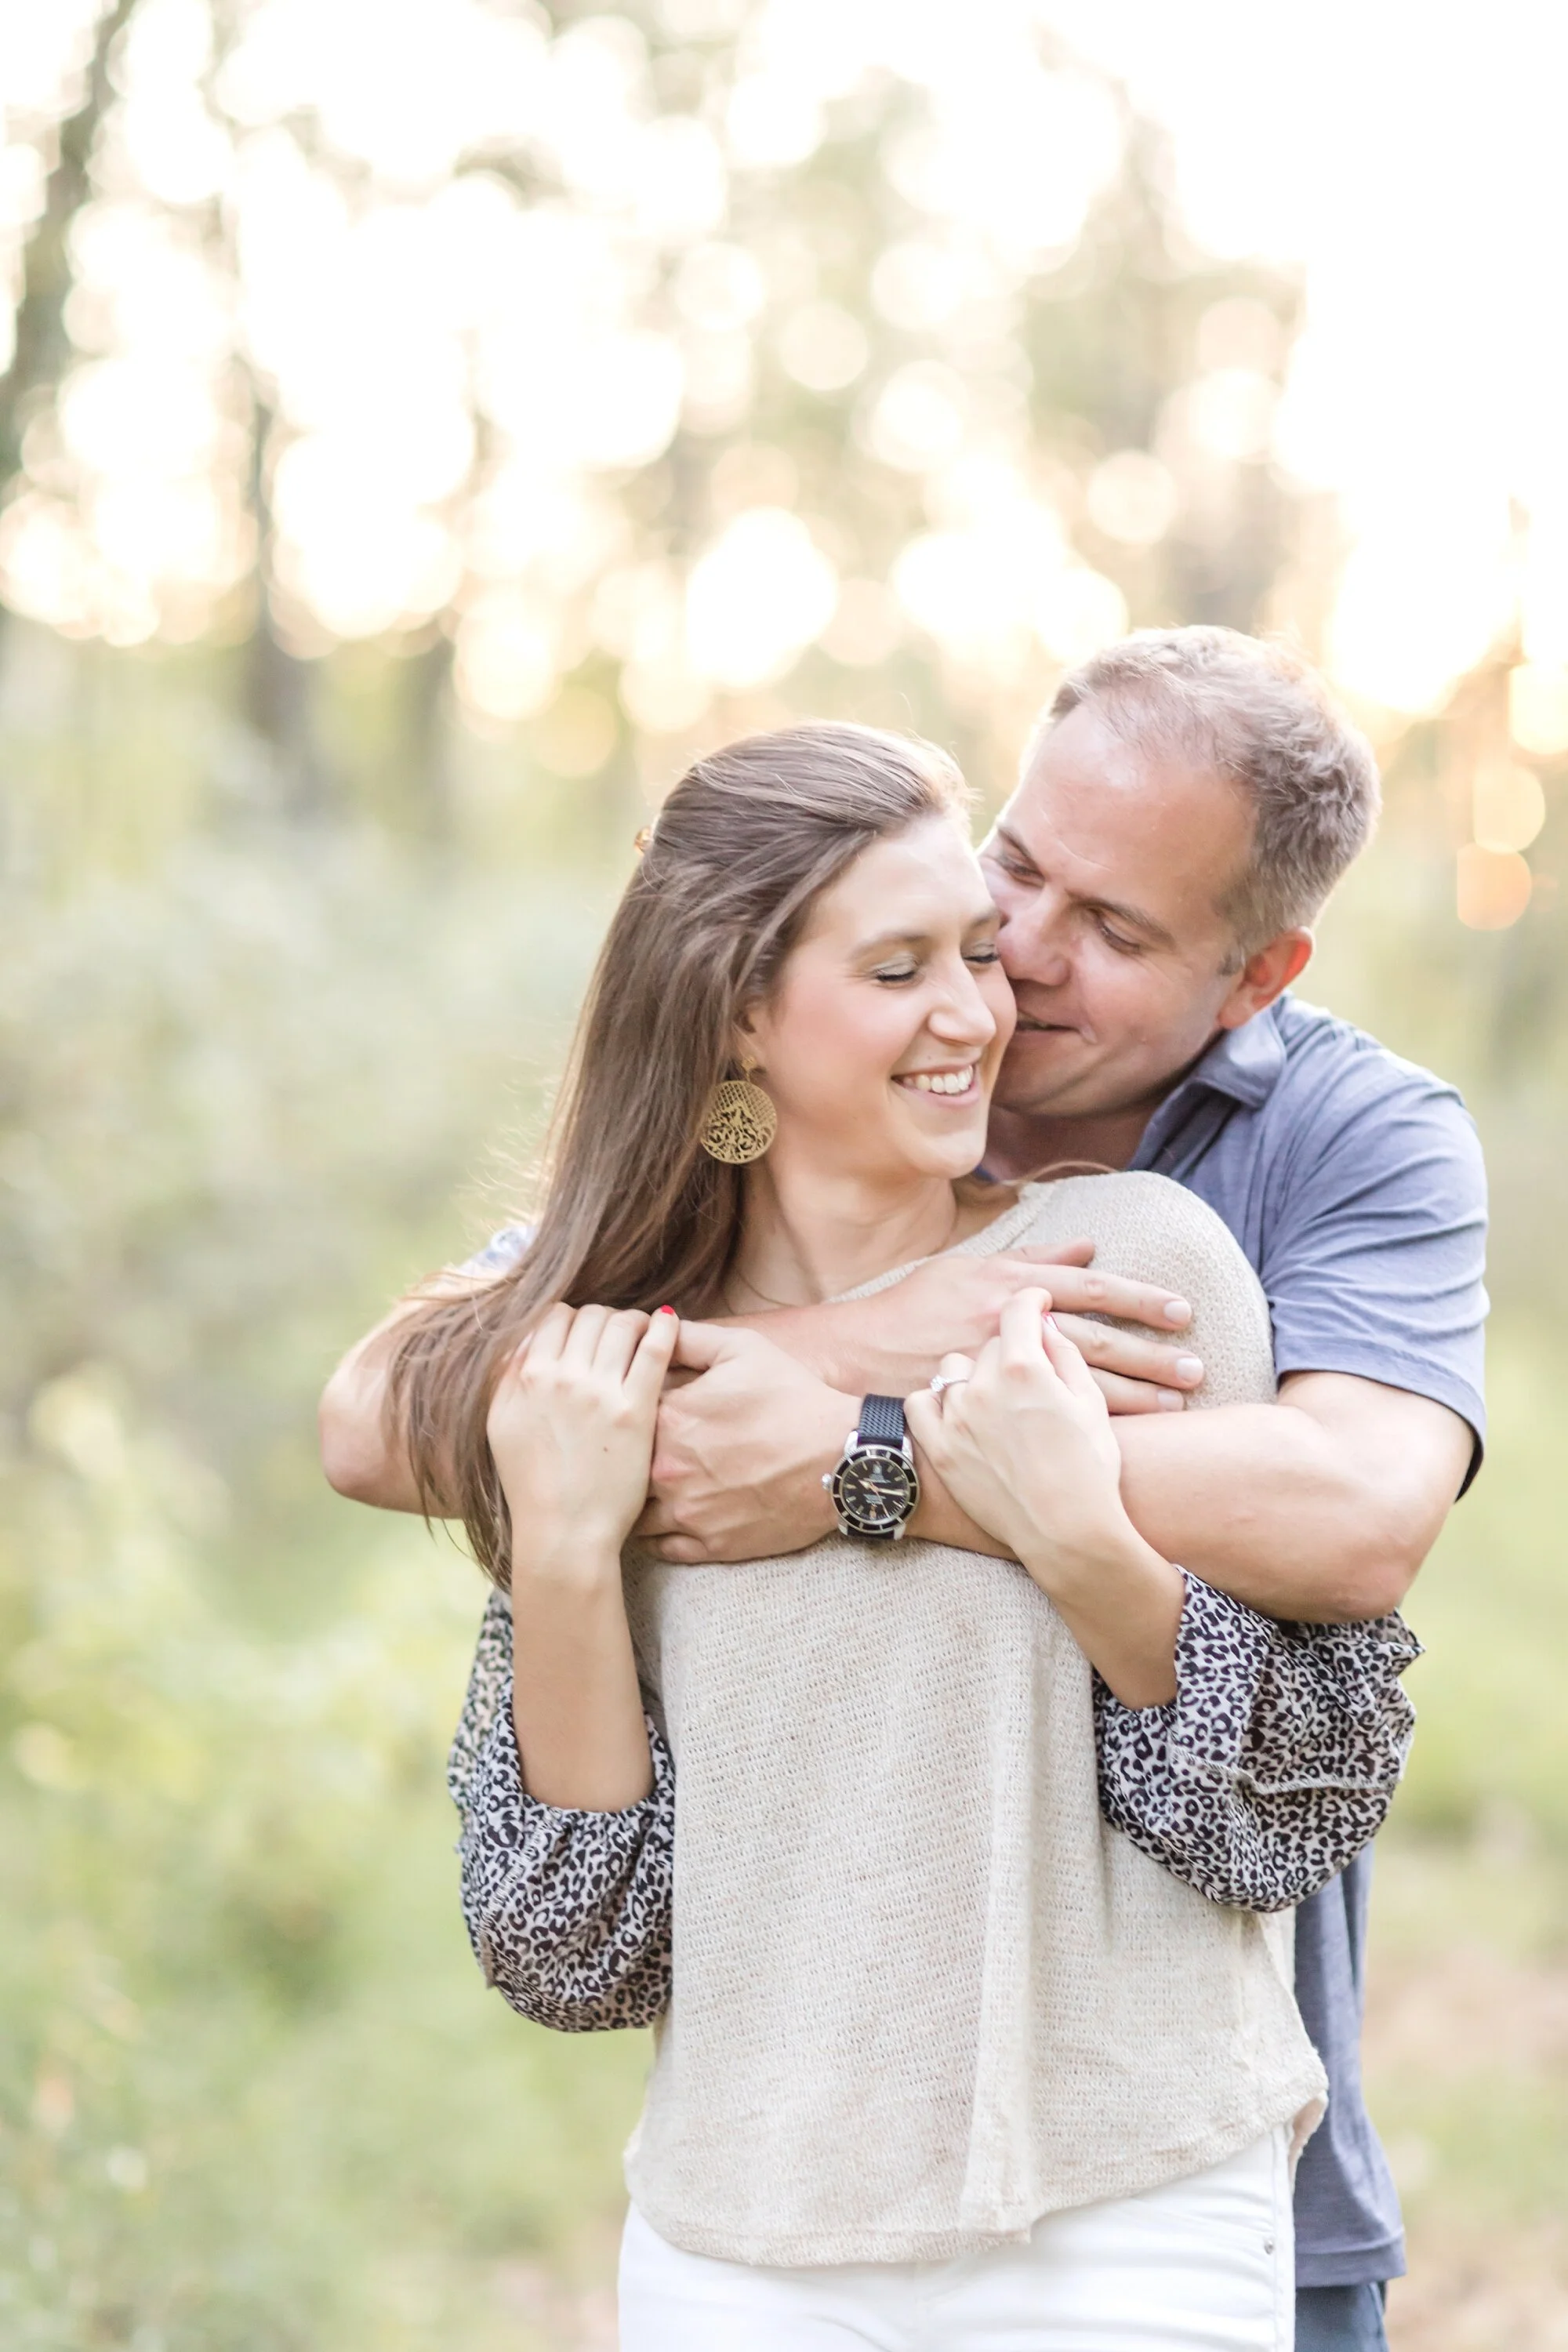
<point>986,1368</point>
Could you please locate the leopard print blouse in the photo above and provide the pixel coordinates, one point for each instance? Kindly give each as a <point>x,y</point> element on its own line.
<point>1273,1766</point>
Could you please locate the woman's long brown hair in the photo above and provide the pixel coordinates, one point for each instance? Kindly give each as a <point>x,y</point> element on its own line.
<point>635,1213</point>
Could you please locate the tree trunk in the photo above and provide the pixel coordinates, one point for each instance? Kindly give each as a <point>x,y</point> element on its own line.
<point>43,347</point>
<point>279,688</point>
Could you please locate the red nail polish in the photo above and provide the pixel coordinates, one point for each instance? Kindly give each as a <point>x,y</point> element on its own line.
<point>666,1310</point>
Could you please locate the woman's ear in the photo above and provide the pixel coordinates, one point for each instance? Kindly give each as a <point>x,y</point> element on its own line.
<point>746,1049</point>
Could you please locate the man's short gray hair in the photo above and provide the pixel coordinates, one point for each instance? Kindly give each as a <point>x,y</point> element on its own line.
<point>1260,716</point>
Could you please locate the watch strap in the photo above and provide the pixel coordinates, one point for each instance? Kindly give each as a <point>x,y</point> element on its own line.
<point>881,1421</point>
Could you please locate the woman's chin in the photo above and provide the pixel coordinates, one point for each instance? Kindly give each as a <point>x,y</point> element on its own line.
<point>954,1154</point>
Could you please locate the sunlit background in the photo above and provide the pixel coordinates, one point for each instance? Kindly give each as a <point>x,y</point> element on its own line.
<point>426,424</point>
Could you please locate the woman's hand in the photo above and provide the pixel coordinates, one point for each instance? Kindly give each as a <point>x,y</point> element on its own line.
<point>1021,1437</point>
<point>570,1428</point>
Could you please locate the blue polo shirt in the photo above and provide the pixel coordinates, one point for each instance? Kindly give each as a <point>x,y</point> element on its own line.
<point>1353,1181</point>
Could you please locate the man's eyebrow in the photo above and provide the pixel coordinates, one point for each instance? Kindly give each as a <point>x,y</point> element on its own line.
<point>1000,832</point>
<point>1134,917</point>
<point>1137,919</point>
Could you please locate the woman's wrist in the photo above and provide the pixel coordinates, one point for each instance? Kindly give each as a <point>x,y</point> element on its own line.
<point>1123,1603</point>
<point>1072,1559</point>
<point>576,1561</point>
<point>576,1706</point>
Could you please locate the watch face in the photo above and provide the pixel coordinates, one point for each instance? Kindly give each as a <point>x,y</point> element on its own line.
<point>875,1489</point>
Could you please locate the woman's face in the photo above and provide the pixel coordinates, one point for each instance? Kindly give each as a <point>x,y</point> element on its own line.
<point>881,1044</point>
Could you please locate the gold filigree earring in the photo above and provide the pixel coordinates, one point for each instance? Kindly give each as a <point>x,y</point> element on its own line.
<point>741,1121</point>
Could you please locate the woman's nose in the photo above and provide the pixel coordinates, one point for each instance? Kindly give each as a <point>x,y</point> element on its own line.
<point>963,1018</point>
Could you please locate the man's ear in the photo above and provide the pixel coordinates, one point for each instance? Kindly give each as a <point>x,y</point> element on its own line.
<point>1265,975</point>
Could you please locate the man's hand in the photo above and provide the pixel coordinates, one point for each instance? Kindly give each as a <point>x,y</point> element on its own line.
<point>739,1451</point>
<point>892,1342</point>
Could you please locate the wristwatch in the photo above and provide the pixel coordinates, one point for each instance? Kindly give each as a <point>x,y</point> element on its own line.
<point>875,1488</point>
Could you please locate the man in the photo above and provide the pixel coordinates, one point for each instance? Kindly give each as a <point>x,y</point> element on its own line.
<point>1182,818</point>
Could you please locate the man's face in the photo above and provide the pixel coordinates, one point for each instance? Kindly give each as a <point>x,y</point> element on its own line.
<point>1108,865</point>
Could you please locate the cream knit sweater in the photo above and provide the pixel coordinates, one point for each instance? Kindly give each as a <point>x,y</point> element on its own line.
<point>922,1993</point>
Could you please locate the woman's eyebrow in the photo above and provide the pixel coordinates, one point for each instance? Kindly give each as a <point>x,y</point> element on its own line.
<point>881,941</point>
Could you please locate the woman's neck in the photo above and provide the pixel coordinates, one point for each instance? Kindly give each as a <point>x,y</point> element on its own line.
<point>809,1234</point>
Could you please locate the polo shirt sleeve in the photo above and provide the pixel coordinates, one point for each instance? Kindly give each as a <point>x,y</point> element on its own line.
<point>1375,1252</point>
<point>500,1253</point>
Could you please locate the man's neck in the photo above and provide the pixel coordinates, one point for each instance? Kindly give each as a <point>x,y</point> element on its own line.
<point>1024,1144</point>
<point>1018,1146</point>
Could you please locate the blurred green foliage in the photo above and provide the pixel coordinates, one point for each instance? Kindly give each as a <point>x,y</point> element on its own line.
<point>1492,1608</point>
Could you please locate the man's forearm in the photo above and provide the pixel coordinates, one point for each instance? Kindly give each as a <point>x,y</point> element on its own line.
<point>1251,1499</point>
<point>1321,1507</point>
<point>363,1458</point>
<point>1242,1497</point>
<point>826,1338</point>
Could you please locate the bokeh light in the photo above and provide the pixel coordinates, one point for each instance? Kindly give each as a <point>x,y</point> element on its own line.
<point>1510,807</point>
<point>1538,707</point>
<point>757,597</point>
<point>509,261</point>
<point>1493,887</point>
<point>382,313</point>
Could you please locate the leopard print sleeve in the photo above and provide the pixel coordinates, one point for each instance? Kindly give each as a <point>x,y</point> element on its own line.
<point>568,1912</point>
<point>1276,1760</point>
<point>492,1662</point>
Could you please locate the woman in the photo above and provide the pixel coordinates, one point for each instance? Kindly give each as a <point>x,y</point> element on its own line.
<point>946,2057</point>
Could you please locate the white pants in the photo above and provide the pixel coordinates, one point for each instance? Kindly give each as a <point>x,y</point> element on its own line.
<point>1205,2264</point>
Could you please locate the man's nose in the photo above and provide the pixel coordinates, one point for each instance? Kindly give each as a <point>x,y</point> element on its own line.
<point>1033,948</point>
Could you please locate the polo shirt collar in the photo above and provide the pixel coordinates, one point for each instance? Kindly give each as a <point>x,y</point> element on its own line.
<point>1245,1064</point>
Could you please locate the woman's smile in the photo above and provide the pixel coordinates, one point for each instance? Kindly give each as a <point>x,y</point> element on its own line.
<point>958,1083</point>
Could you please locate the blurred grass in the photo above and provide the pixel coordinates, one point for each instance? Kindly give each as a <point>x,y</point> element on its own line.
<point>1467,2023</point>
<point>1491,1606</point>
<point>255,2091</point>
